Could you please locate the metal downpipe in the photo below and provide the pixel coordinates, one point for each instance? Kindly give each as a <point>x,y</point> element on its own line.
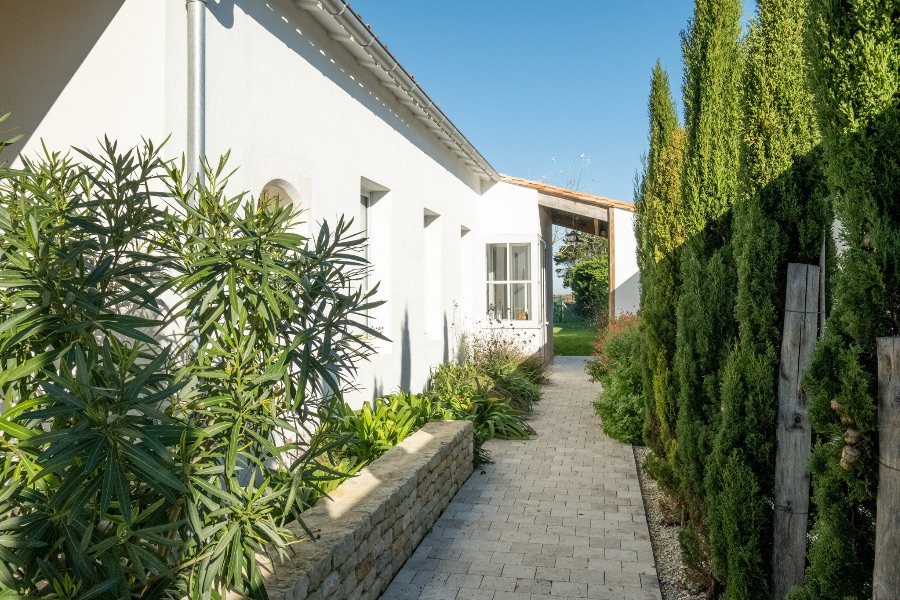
<point>196,88</point>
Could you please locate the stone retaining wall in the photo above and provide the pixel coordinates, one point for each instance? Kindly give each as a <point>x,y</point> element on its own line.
<point>375,521</point>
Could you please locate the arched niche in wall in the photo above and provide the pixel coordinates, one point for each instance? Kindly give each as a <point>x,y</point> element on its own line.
<point>283,191</point>
<point>285,194</point>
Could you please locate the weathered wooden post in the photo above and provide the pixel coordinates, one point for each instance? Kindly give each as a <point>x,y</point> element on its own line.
<point>793,433</point>
<point>886,576</point>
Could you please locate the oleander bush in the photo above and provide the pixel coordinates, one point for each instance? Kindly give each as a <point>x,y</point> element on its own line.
<point>615,365</point>
<point>162,347</point>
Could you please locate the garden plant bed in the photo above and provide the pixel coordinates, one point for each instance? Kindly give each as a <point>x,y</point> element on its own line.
<point>670,567</point>
<point>374,521</point>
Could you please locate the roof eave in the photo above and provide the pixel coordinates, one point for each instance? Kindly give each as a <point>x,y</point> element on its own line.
<point>383,63</point>
<point>568,194</point>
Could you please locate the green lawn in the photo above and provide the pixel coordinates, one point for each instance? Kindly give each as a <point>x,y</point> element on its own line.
<point>573,339</point>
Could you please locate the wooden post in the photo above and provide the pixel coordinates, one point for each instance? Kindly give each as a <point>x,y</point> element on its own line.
<point>886,576</point>
<point>793,432</point>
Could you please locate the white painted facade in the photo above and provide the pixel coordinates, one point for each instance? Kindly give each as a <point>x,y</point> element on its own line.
<point>626,289</point>
<point>299,113</point>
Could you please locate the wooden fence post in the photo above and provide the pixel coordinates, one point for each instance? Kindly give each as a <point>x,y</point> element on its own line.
<point>793,433</point>
<point>886,576</point>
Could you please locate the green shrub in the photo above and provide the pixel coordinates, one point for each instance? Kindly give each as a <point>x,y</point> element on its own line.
<point>713,61</point>
<point>141,459</point>
<point>622,416</point>
<point>615,365</point>
<point>92,499</point>
<point>516,386</point>
<point>468,395</point>
<point>496,358</point>
<point>370,432</point>
<point>853,49</point>
<point>272,330</point>
<point>9,140</point>
<point>781,217</point>
<point>583,265</point>
<point>535,368</point>
<point>497,349</point>
<point>659,230</point>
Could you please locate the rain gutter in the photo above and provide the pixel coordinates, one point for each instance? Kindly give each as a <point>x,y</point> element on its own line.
<point>196,88</point>
<point>435,119</point>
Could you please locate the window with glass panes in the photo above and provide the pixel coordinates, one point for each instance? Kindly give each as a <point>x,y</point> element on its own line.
<point>509,281</point>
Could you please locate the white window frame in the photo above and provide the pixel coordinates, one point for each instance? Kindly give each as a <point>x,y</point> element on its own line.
<point>530,283</point>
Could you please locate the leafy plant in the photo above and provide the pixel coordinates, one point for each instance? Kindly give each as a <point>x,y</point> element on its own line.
<point>92,502</point>
<point>535,368</point>
<point>9,140</point>
<point>615,365</point>
<point>272,327</point>
<point>512,383</point>
<point>492,348</point>
<point>859,118</point>
<point>370,432</point>
<point>659,230</point>
<point>467,394</point>
<point>583,265</point>
<point>495,356</point>
<point>150,450</point>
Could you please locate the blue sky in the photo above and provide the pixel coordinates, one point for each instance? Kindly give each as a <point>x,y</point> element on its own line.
<point>530,81</point>
<point>544,89</point>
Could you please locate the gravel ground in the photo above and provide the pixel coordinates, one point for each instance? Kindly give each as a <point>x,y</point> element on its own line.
<point>672,579</point>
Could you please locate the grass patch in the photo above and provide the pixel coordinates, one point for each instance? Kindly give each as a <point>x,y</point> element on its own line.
<point>573,339</point>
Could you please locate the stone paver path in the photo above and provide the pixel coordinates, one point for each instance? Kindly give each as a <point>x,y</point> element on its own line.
<point>558,516</point>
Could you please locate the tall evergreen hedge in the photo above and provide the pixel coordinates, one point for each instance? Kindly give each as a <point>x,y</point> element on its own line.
<point>659,228</point>
<point>854,53</point>
<point>780,217</point>
<point>705,315</point>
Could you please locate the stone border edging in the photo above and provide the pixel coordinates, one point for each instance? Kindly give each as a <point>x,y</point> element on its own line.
<point>374,521</point>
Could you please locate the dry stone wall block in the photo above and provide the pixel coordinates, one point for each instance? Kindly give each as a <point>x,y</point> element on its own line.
<point>373,522</point>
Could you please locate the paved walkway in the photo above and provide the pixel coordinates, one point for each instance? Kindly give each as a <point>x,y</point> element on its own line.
<point>558,516</point>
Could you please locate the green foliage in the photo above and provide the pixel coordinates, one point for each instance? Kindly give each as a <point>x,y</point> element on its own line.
<point>853,49</point>
<point>535,368</point>
<point>496,354</point>
<point>615,365</point>
<point>9,140</point>
<point>468,393</point>
<point>517,387</point>
<point>584,268</point>
<point>782,216</point>
<point>590,287</point>
<point>150,448</point>
<point>371,431</point>
<point>91,502</point>
<point>713,57</point>
<point>271,327</point>
<point>457,391</point>
<point>659,232</point>
<point>705,312</point>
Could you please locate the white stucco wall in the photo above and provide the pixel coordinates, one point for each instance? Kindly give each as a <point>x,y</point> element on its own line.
<point>510,214</point>
<point>73,72</point>
<point>626,283</point>
<point>293,106</point>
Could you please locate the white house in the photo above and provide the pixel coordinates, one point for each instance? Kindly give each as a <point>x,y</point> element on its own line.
<point>311,104</point>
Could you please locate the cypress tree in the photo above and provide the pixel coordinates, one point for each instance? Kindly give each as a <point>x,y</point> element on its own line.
<point>854,54</point>
<point>780,217</point>
<point>705,315</point>
<point>659,224</point>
